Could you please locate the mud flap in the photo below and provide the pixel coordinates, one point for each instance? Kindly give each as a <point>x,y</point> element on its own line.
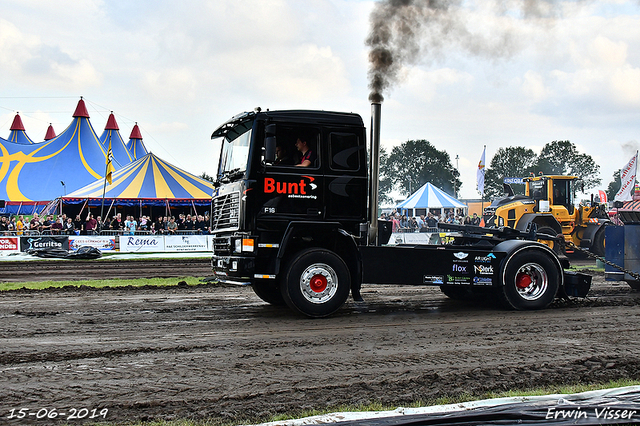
<point>576,284</point>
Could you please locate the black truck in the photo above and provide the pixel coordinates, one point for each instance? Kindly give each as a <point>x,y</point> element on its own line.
<point>306,237</point>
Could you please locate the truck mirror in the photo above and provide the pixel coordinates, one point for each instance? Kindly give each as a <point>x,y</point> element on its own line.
<point>270,149</point>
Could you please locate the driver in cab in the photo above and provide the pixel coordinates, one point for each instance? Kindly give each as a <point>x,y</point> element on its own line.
<point>308,155</point>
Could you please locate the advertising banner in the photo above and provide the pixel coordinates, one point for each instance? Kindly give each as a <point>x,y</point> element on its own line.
<point>513,180</point>
<point>177,243</point>
<point>142,243</point>
<point>102,243</point>
<point>9,244</point>
<point>43,242</point>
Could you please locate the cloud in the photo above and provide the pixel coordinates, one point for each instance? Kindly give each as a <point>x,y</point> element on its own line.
<point>533,86</point>
<point>26,59</point>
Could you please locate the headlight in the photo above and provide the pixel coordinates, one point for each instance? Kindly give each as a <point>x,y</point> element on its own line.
<point>244,245</point>
<point>500,221</point>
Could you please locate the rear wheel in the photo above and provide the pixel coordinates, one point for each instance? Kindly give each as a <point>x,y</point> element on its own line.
<point>269,292</point>
<point>316,282</point>
<point>531,281</point>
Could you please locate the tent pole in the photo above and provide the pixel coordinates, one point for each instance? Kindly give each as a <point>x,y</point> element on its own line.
<point>194,208</point>
<point>83,206</point>
<point>109,211</point>
<point>106,170</point>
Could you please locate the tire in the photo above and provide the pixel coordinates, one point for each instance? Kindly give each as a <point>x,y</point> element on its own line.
<point>597,247</point>
<point>531,281</point>
<point>315,282</point>
<point>553,245</point>
<point>269,292</point>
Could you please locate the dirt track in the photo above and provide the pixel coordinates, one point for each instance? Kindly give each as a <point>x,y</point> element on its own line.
<point>220,352</point>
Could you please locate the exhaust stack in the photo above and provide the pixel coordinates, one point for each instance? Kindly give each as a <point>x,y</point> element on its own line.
<point>374,172</point>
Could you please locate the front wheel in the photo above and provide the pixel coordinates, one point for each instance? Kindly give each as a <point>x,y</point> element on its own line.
<point>531,281</point>
<point>315,282</point>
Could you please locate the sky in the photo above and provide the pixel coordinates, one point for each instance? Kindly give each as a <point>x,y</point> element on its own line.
<point>180,69</point>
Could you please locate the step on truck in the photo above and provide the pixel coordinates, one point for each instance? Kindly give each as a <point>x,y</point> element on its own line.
<point>294,215</point>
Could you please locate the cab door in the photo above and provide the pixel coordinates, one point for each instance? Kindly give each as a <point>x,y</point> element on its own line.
<point>286,191</point>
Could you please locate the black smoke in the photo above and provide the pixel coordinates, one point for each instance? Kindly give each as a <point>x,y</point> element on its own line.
<point>404,32</point>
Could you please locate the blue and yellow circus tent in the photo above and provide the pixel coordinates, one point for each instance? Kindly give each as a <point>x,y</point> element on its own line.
<point>148,181</point>
<point>121,154</point>
<point>136,146</point>
<point>18,134</point>
<point>44,171</point>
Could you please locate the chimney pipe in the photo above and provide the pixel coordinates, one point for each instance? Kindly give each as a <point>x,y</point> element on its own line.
<point>374,172</point>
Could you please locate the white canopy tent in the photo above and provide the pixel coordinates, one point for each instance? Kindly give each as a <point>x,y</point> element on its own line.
<point>427,198</point>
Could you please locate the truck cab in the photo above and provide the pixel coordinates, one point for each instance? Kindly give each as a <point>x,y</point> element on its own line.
<point>267,205</point>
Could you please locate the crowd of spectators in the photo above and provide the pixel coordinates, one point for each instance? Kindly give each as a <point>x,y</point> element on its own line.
<point>428,223</point>
<point>94,225</point>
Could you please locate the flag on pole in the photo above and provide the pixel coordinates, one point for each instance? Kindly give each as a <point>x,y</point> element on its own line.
<point>110,168</point>
<point>603,196</point>
<point>481,170</point>
<point>627,180</point>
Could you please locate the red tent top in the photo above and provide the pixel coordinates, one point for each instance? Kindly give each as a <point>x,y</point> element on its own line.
<point>135,133</point>
<point>81,110</point>
<point>17,123</point>
<point>50,133</point>
<point>111,123</point>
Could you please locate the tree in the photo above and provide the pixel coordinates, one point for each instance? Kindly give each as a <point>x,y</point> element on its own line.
<point>513,161</point>
<point>205,176</point>
<point>562,158</point>
<point>385,184</point>
<point>614,185</point>
<point>416,162</point>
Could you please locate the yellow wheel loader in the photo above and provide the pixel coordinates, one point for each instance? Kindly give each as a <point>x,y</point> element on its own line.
<point>548,203</point>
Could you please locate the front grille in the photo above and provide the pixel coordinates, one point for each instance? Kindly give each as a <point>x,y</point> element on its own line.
<point>226,212</point>
<point>222,246</point>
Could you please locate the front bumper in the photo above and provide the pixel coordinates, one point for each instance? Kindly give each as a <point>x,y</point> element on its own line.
<point>237,269</point>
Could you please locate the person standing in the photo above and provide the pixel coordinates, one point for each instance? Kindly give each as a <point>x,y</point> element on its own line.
<point>68,227</point>
<point>90,224</point>
<point>20,225</point>
<point>172,226</point>
<point>130,225</point>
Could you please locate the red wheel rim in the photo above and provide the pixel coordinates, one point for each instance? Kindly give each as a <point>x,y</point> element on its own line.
<point>318,283</point>
<point>523,281</point>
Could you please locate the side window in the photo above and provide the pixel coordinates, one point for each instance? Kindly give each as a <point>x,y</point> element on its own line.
<point>296,146</point>
<point>344,151</point>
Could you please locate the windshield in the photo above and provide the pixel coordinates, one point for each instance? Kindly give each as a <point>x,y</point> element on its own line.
<point>234,155</point>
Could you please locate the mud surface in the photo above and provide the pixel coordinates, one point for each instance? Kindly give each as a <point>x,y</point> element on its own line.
<point>220,352</point>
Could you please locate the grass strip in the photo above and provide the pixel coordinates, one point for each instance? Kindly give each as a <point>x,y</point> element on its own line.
<point>138,282</point>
